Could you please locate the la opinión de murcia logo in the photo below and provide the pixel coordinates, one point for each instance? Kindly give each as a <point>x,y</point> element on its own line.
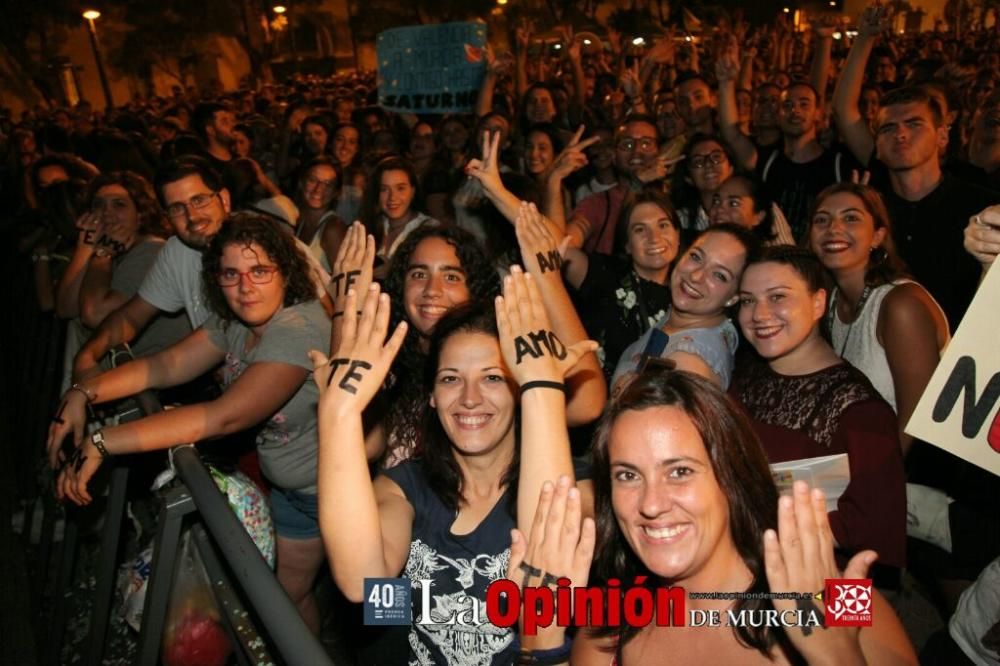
<point>848,602</point>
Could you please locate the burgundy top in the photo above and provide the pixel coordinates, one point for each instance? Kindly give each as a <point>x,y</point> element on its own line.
<point>836,410</point>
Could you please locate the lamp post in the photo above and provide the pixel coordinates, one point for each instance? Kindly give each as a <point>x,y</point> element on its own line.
<point>92,15</point>
<point>287,11</point>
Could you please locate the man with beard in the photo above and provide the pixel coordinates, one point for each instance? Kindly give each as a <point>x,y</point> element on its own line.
<point>800,168</point>
<point>214,123</point>
<point>695,104</point>
<point>197,204</point>
<point>316,132</point>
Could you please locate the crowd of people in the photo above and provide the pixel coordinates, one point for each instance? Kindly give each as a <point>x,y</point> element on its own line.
<point>562,335</point>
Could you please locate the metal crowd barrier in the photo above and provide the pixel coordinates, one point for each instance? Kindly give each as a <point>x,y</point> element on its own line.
<point>235,567</point>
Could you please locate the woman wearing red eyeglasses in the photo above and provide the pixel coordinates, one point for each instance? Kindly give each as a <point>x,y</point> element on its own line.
<point>265,321</point>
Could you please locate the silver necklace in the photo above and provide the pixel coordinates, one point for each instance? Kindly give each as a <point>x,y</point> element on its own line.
<point>858,309</point>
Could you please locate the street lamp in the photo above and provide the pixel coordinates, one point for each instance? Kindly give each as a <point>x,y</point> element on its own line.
<point>92,15</point>
<point>279,9</point>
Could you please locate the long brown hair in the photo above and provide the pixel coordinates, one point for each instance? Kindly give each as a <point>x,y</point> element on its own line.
<point>739,465</point>
<point>884,264</point>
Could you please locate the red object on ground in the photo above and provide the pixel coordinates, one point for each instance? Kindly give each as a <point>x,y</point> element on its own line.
<point>197,640</point>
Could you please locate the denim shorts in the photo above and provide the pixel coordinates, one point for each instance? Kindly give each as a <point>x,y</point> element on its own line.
<point>295,514</point>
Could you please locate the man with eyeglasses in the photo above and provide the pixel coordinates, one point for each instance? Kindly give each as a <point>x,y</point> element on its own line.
<point>637,162</point>
<point>197,205</point>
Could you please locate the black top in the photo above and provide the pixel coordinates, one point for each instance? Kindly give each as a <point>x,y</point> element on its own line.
<point>617,306</point>
<point>794,185</point>
<point>929,236</point>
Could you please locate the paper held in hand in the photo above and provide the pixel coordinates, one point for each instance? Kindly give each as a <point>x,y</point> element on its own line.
<point>831,474</point>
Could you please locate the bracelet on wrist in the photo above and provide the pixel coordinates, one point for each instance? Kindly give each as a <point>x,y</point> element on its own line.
<point>551,657</point>
<point>97,439</point>
<point>527,386</point>
<point>82,389</point>
<point>35,258</point>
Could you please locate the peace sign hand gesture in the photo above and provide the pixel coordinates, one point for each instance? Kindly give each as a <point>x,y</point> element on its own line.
<point>349,381</point>
<point>530,347</point>
<point>572,156</point>
<point>487,170</point>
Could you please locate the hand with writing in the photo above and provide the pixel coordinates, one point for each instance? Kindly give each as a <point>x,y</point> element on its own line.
<point>561,545</point>
<point>354,266</point>
<point>114,236</point>
<point>349,380</point>
<point>487,170</point>
<point>88,226</point>
<point>530,348</point>
<point>71,417</point>
<point>798,558</point>
<point>536,236</point>
<point>77,473</point>
<point>572,156</point>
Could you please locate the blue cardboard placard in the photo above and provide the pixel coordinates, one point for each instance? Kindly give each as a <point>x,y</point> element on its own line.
<point>431,68</point>
<point>387,601</point>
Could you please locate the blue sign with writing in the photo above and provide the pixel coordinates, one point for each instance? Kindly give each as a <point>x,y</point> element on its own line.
<point>387,601</point>
<point>431,68</point>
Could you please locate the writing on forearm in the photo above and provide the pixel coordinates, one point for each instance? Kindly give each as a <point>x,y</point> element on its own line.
<point>354,373</point>
<point>115,246</point>
<point>348,279</point>
<point>552,262</point>
<point>538,344</point>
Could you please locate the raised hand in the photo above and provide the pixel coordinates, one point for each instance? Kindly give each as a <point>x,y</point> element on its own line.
<point>354,266</point>
<point>663,50</point>
<point>860,177</point>
<point>572,156</point>
<point>487,169</point>
<point>799,558</point>
<point>561,545</point>
<point>727,66</point>
<point>88,226</point>
<point>530,347</point>
<point>70,417</point>
<point>825,26</point>
<point>348,381</point>
<point>875,19</point>
<point>630,83</point>
<point>536,236</point>
<point>522,36</point>
<point>660,167</point>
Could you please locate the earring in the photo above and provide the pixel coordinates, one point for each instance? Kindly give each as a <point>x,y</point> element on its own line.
<point>878,254</point>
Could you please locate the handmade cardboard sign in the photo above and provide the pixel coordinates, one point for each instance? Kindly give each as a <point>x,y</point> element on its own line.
<point>960,409</point>
<point>431,68</point>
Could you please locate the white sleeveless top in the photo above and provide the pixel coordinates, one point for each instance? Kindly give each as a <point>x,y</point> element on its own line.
<point>862,348</point>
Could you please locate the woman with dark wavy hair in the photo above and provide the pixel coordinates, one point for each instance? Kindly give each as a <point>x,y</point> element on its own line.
<point>494,432</point>
<point>684,496</point>
<point>265,321</point>
<point>435,270</point>
<point>883,323</point>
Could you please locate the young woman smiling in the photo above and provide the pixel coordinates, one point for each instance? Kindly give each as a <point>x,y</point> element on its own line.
<point>696,333</point>
<point>265,320</point>
<point>807,402</point>
<point>888,327</point>
<point>619,297</point>
<point>391,205</point>
<point>684,497</point>
<point>494,432</point>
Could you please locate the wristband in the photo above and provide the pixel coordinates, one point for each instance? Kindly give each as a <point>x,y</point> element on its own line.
<point>97,439</point>
<point>559,386</point>
<point>87,394</point>
<point>559,655</point>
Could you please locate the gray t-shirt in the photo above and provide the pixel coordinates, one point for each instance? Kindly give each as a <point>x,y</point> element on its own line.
<point>128,273</point>
<point>716,346</point>
<point>287,441</point>
<point>174,282</point>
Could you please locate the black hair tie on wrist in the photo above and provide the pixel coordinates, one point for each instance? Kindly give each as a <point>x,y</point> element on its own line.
<point>559,386</point>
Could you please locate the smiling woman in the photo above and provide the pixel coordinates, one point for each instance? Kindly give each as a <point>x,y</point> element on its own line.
<point>265,320</point>
<point>806,402</point>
